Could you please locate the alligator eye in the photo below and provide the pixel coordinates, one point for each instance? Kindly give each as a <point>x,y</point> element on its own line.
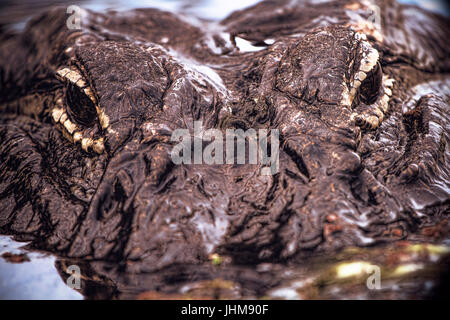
<point>80,107</point>
<point>370,88</point>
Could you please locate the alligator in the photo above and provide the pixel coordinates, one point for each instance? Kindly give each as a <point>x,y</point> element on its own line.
<point>358,90</point>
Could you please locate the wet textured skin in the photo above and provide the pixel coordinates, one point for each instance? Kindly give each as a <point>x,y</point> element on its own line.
<point>343,180</point>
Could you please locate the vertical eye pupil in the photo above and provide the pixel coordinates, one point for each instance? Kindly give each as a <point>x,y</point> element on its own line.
<point>371,86</point>
<point>80,107</point>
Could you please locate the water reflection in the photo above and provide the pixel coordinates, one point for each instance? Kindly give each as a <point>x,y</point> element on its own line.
<point>406,270</point>
<point>30,275</point>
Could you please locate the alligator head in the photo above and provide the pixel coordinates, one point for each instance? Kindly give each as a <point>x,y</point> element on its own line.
<point>87,116</point>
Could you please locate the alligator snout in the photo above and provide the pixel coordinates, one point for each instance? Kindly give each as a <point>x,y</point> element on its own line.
<point>87,119</point>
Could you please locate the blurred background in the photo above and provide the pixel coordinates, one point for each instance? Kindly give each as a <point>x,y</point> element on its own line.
<point>15,13</point>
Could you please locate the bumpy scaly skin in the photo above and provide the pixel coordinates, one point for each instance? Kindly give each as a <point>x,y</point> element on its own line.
<point>87,115</point>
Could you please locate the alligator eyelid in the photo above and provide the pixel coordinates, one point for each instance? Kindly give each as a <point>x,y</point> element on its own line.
<point>373,117</point>
<point>74,79</point>
<point>73,76</point>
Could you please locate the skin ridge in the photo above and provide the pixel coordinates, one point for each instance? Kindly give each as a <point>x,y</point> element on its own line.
<point>351,174</point>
